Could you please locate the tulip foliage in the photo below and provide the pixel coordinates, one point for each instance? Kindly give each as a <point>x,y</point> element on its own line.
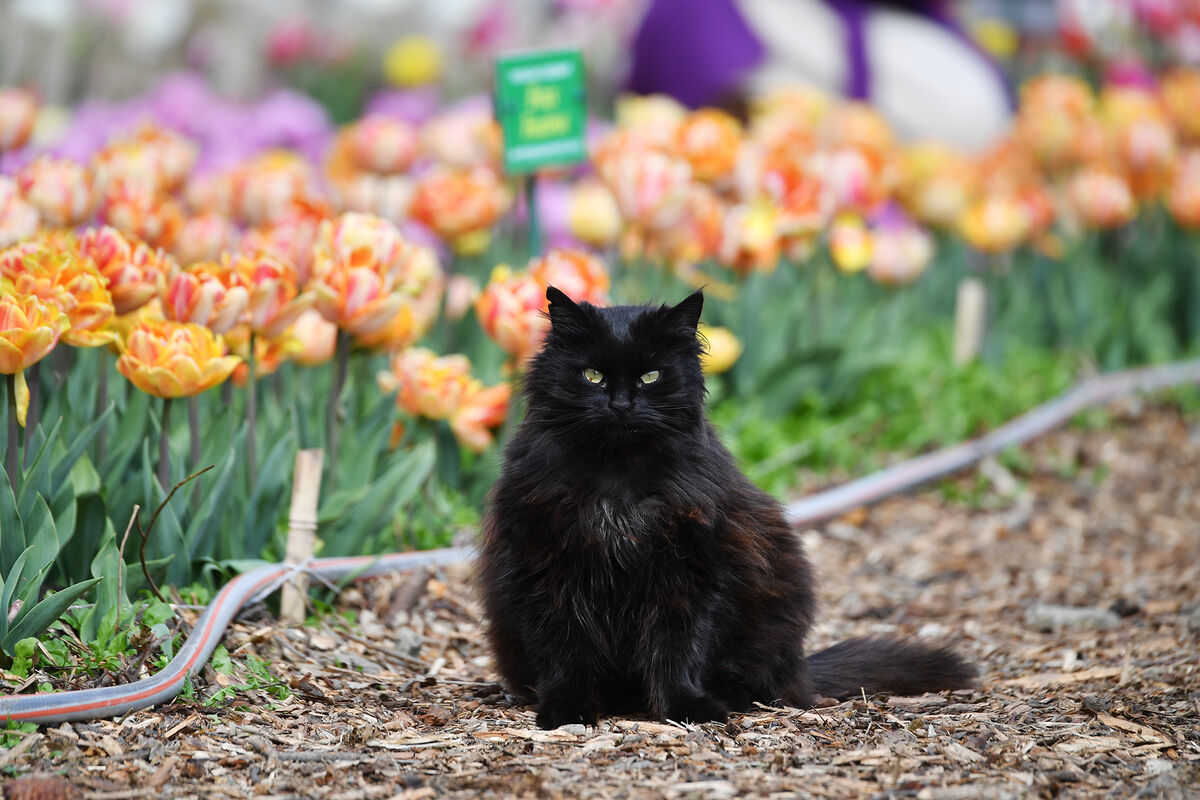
<point>157,320</point>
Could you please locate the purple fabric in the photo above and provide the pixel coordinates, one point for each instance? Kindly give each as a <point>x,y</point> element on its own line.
<point>693,50</point>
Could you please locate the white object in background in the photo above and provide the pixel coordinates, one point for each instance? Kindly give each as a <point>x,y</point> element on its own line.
<point>928,83</point>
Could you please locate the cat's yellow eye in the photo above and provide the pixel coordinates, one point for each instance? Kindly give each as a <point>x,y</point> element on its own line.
<point>593,375</point>
<point>650,377</point>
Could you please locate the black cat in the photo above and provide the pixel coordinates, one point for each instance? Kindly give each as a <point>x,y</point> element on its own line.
<point>627,564</point>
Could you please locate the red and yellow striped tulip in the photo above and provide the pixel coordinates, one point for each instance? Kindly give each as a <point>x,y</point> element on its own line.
<point>275,300</point>
<point>478,414</point>
<point>132,268</point>
<point>510,309</point>
<point>459,202</point>
<point>211,293</point>
<point>579,275</point>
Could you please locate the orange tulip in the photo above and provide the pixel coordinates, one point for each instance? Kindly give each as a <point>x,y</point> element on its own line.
<point>57,274</point>
<point>18,110</point>
<point>456,203</point>
<point>60,189</point>
<point>510,309</point>
<point>1055,112</point>
<point>132,268</point>
<point>34,268</point>
<point>856,178</point>
<point>213,294</point>
<point>580,275</point>
<point>427,385</point>
<point>478,414</point>
<point>29,328</point>
<point>1180,93</point>
<point>174,359</point>
<point>271,187</point>
<point>291,241</point>
<point>709,140</point>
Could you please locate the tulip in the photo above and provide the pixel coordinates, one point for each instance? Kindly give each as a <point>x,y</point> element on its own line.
<point>900,254</point>
<point>579,275</point>
<point>30,327</point>
<point>478,414</point>
<point>650,187</point>
<point>750,238</point>
<point>1183,197</point>
<point>592,214</point>
<point>427,385</point>
<point>721,351</point>
<point>709,140</point>
<point>1180,93</point>
<point>174,359</point>
<point>459,202</point>
<point>203,237</point>
<point>654,118</point>
<point>136,207</point>
<point>1054,113</point>
<point>850,243</point>
<point>996,223</point>
<point>1101,199</point>
<point>383,145</point>
<point>18,110</point>
<point>271,187</point>
<point>152,156</point>
<point>412,61</point>
<point>511,311</point>
<point>461,293</point>
<point>291,241</point>
<point>35,268</point>
<point>804,204</point>
<point>275,301</point>
<point>213,294</point>
<point>315,338</point>
<point>697,236</point>
<point>855,178</point>
<point>60,189</point>
<point>463,138</point>
<point>19,220</point>
<point>132,268</point>
<point>934,184</point>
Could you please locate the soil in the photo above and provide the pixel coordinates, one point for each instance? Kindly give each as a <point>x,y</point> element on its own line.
<point>1069,571</point>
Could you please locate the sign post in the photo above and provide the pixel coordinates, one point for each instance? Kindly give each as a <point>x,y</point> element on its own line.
<point>541,104</point>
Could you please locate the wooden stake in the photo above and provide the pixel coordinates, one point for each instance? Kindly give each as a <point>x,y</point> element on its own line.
<point>970,317</point>
<point>302,532</point>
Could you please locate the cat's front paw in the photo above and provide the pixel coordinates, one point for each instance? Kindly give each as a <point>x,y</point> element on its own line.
<point>701,708</point>
<point>555,714</point>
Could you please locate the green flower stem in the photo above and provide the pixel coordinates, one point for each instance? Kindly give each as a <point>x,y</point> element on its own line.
<point>251,415</point>
<point>332,412</point>
<point>101,400</point>
<point>194,429</point>
<point>11,465</point>
<point>32,419</point>
<point>164,452</point>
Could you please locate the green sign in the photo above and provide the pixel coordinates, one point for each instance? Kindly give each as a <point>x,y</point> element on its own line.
<point>542,108</point>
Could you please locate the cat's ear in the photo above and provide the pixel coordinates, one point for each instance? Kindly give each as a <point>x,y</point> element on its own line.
<point>562,308</point>
<point>687,313</point>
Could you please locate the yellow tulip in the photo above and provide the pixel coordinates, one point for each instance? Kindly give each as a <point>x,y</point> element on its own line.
<point>174,359</point>
<point>412,61</point>
<point>29,328</point>
<point>722,351</point>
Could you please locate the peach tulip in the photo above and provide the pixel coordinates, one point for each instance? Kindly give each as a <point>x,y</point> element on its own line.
<point>478,414</point>
<point>19,220</point>
<point>709,139</point>
<point>18,110</point>
<point>174,359</point>
<point>428,385</point>
<point>275,301</point>
<point>203,237</point>
<point>1101,199</point>
<point>455,203</point>
<point>578,274</point>
<point>315,338</point>
<point>383,145</point>
<point>136,207</point>
<point>650,187</point>
<point>1183,196</point>
<point>61,190</point>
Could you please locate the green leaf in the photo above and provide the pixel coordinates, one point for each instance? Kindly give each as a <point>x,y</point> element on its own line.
<point>44,614</point>
<point>12,532</point>
<point>79,442</point>
<point>37,475</point>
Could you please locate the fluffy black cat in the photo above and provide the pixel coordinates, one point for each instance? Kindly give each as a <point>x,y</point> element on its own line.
<point>627,564</point>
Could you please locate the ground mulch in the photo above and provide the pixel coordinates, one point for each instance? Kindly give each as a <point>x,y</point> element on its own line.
<point>1099,700</point>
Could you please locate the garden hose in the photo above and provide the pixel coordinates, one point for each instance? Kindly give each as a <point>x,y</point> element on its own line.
<point>112,701</point>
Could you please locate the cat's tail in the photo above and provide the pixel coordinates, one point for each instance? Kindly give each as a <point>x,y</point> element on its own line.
<point>896,666</point>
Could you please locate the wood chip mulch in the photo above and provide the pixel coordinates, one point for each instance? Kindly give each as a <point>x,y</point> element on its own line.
<point>1074,581</point>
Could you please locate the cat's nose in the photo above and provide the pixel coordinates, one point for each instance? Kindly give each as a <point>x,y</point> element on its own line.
<point>620,402</point>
